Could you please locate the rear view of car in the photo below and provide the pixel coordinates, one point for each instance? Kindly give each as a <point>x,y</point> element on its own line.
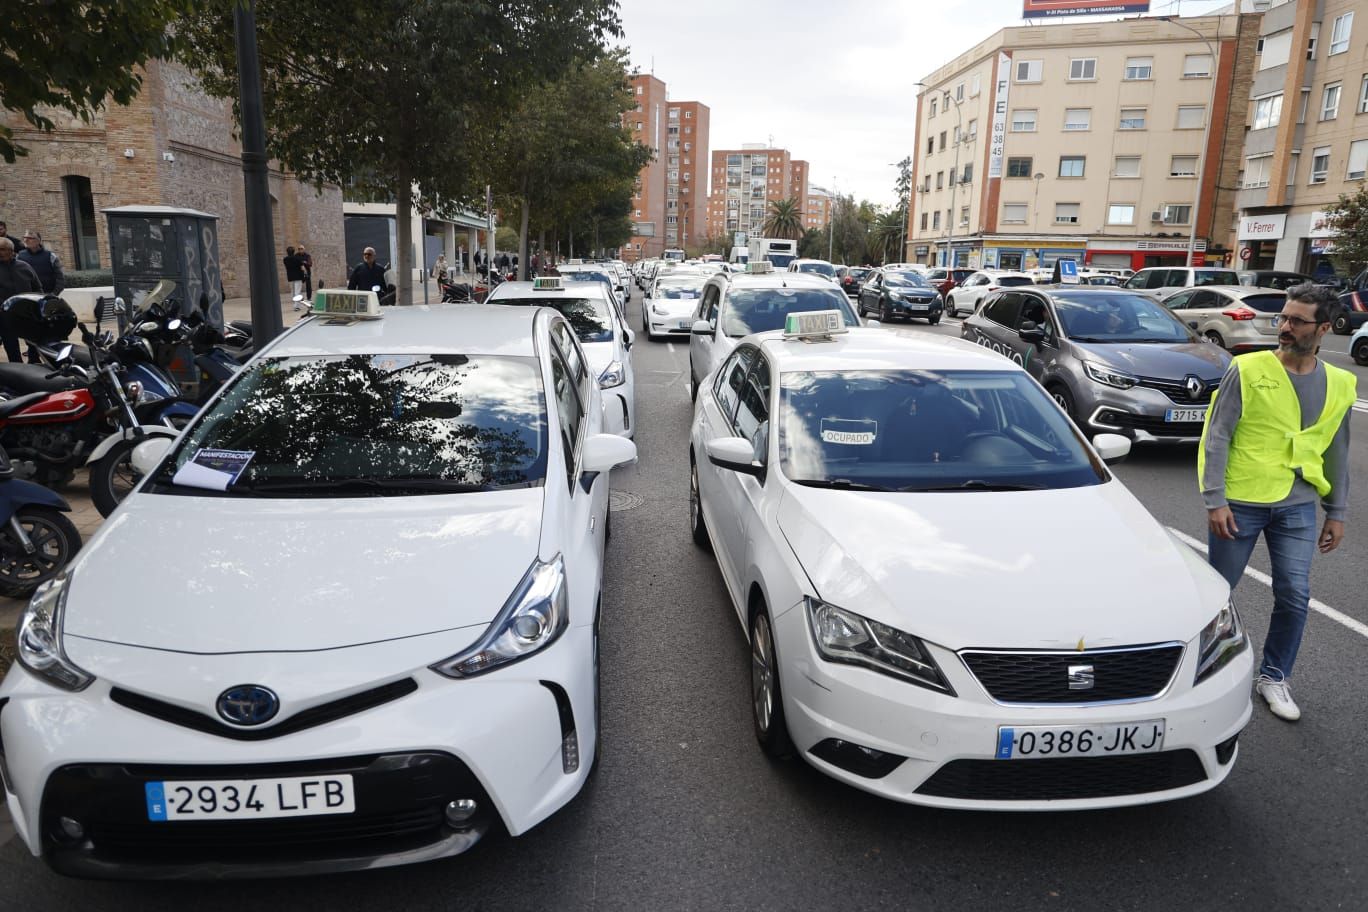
<point>1239,319</point>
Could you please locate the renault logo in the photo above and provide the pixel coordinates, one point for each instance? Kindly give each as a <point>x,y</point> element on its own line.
<point>1195,387</point>
<point>248,704</point>
<point>1080,677</point>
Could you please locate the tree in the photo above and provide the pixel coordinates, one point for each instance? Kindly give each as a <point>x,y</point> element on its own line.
<point>785,220</point>
<point>77,56</point>
<point>850,230</point>
<point>395,98</point>
<point>886,236</point>
<point>813,244</point>
<point>1349,219</point>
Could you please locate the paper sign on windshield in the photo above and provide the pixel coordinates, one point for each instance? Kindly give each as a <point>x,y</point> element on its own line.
<point>213,470</point>
<point>849,432</point>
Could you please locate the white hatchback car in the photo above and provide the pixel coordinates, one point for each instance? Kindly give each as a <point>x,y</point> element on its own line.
<point>966,297</point>
<point>668,306</point>
<point>373,632</point>
<point>602,330</point>
<point>949,599</point>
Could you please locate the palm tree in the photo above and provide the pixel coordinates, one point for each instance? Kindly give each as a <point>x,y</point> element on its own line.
<point>886,235</point>
<point>785,220</point>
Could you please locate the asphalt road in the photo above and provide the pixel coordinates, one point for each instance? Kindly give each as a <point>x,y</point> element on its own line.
<point>686,813</point>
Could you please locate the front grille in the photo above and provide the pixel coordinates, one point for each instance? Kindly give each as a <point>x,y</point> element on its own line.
<point>1043,677</point>
<point>1177,389</point>
<point>1156,425</point>
<point>1064,778</point>
<point>308,718</point>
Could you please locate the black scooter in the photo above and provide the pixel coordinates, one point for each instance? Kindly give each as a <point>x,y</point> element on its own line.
<point>36,540</point>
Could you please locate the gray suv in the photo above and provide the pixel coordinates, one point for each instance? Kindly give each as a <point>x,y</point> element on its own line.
<point>1113,359</point>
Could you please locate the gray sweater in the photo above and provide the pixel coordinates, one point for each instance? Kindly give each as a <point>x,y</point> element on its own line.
<point>1225,414</point>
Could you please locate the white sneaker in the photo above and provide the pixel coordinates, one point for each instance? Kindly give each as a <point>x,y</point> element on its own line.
<point>1278,695</point>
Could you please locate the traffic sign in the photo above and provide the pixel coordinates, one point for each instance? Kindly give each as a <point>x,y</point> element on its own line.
<point>1068,272</point>
<point>1246,253</point>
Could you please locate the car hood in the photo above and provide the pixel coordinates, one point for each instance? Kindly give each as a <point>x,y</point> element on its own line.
<point>226,575</point>
<point>599,355</point>
<point>1030,569</point>
<point>1164,360</point>
<point>674,307</point>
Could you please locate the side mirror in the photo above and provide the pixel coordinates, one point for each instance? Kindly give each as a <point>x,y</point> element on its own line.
<point>119,306</point>
<point>148,455</point>
<point>628,337</point>
<point>735,453</point>
<point>1031,333</point>
<point>604,451</point>
<point>702,328</point>
<point>1113,448</point>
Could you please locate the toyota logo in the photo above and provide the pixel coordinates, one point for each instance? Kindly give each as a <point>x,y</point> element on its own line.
<point>1195,386</point>
<point>248,704</point>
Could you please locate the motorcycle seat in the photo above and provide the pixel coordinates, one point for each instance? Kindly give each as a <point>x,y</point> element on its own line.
<point>18,403</point>
<point>244,326</point>
<point>33,377</point>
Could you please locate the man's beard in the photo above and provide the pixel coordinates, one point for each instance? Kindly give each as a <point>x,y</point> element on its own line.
<point>1293,347</point>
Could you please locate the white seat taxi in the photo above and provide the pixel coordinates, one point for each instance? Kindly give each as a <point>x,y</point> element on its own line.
<point>603,334</point>
<point>668,306</point>
<point>374,631</point>
<point>759,300</point>
<point>949,598</point>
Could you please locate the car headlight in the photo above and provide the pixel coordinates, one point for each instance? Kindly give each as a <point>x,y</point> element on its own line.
<point>1108,377</point>
<point>533,618</point>
<point>39,637</point>
<point>613,375</point>
<point>844,636</point>
<point>658,310</point>
<point>1221,640</point>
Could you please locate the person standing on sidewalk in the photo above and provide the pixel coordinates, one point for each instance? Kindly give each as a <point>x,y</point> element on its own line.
<point>16,277</point>
<point>306,262</point>
<point>1276,440</point>
<point>43,262</point>
<point>294,274</point>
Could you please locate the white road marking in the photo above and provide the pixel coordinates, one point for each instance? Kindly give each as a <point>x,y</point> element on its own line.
<point>670,346</point>
<point>1361,405</point>
<point>1317,605</point>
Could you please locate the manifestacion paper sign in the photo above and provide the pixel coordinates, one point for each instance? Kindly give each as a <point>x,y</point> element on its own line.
<point>1041,9</point>
<point>998,139</point>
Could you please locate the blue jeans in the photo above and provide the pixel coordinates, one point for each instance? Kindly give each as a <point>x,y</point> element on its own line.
<point>1290,533</point>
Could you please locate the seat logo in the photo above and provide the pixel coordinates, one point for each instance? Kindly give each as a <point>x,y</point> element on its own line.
<point>1080,677</point>
<point>1195,387</point>
<point>248,704</point>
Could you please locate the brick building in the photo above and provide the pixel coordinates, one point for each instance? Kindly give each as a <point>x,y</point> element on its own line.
<point>746,180</point>
<point>669,206</point>
<point>173,146</point>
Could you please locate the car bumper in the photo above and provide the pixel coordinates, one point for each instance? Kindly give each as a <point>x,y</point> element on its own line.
<point>1140,413</point>
<point>914,309</point>
<point>670,324</point>
<point>498,739</point>
<point>940,750</point>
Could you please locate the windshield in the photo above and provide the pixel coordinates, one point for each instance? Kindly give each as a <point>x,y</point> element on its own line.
<point>753,310</point>
<point>1112,317</point>
<point>588,317</point>
<point>909,430</point>
<point>1265,303</point>
<point>780,260</point>
<point>375,424</point>
<point>1012,281</point>
<point>825,269</point>
<point>682,289</point>
<point>1200,278</point>
<point>913,279</point>
<point>583,275</point>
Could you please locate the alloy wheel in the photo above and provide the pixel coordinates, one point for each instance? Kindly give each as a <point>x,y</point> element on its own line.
<point>762,674</point>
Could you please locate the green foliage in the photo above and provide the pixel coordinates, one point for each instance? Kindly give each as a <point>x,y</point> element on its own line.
<point>87,278</point>
<point>1349,218</point>
<point>785,220</point>
<point>77,56</point>
<point>886,236</point>
<point>850,230</point>
<point>813,244</point>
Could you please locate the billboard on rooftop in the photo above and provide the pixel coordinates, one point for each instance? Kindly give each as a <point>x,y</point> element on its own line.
<point>1044,9</point>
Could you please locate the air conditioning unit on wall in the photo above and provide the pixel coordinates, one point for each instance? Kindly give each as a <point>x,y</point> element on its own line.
<point>1157,215</point>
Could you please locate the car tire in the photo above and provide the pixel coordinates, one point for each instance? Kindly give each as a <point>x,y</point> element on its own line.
<point>933,320</point>
<point>1360,352</point>
<point>767,699</point>
<point>1060,393</point>
<point>1341,324</point>
<point>951,309</point>
<point>598,695</point>
<point>698,526</point>
<point>693,385</point>
<point>885,316</point>
<point>1214,336</point>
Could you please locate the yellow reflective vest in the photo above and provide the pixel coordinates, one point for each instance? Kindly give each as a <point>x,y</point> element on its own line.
<point>1269,443</point>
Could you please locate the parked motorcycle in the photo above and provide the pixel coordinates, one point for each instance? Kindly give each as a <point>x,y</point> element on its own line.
<point>36,540</point>
<point>456,293</point>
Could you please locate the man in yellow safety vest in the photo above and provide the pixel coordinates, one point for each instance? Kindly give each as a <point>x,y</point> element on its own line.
<point>1276,440</point>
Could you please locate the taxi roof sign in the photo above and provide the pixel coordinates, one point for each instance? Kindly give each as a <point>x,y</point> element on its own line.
<point>814,324</point>
<point>350,305</point>
<point>547,283</point>
<point>759,267</point>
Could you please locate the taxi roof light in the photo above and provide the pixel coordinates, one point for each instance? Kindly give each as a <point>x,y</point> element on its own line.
<point>547,283</point>
<point>814,325</point>
<point>347,305</point>
<point>760,267</point>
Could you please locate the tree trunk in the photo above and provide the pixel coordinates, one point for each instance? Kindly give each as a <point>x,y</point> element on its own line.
<point>541,242</point>
<point>570,243</point>
<point>403,215</point>
<point>522,234</point>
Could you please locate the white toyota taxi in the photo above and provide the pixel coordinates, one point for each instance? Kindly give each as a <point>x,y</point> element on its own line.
<point>371,630</point>
<point>949,599</point>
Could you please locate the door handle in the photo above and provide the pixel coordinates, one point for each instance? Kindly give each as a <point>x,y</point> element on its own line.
<point>1192,323</point>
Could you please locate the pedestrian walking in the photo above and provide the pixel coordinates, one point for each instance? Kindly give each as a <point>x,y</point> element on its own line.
<point>439,270</point>
<point>43,262</point>
<point>503,262</point>
<point>368,274</point>
<point>536,265</point>
<point>306,260</point>
<point>1276,440</point>
<point>16,277</point>
<point>294,274</point>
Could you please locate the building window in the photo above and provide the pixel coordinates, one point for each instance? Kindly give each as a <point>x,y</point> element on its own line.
<point>1358,160</point>
<point>638,125</point>
<point>1276,50</point>
<point>968,176</point>
<point>639,89</point>
<point>1071,165</point>
<point>1066,213</point>
<point>1132,119</point>
<point>674,113</point>
<point>1127,166</point>
<point>1082,68</point>
<point>688,115</point>
<point>1013,213</point>
<point>1305,104</point>
<point>85,246</point>
<point>1197,66</point>
<point>1256,172</point>
<point>964,216</point>
<point>940,180</point>
<point>1139,67</point>
<point>1293,160</point>
<point>1363,96</point>
<point>1024,120</point>
<point>1121,214</point>
<point>928,183</point>
<point>942,141</point>
<point>933,107</point>
<point>973,129</point>
<point>935,220</point>
<point>636,213</point>
<point>1077,118</point>
<point>1028,70</point>
<point>959,92</point>
<point>1177,215</point>
<point>1330,102</point>
<point>1191,117</point>
<point>1320,164</point>
<point>1312,41</point>
<point>1183,166</point>
<point>1267,111</point>
<point>930,145</point>
<point>1339,35</point>
<point>1019,167</point>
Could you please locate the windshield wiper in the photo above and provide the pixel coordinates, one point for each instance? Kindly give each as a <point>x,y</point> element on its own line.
<point>444,485</point>
<point>839,484</point>
<point>975,484</point>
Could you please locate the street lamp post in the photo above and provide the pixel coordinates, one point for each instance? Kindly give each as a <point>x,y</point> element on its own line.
<point>1206,135</point>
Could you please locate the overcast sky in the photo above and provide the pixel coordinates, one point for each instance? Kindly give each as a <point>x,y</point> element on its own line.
<point>832,82</point>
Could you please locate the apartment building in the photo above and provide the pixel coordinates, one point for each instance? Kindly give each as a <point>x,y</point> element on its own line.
<point>1308,132</point>
<point>817,212</point>
<point>744,183</point>
<point>669,205</point>
<point>1086,140</point>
